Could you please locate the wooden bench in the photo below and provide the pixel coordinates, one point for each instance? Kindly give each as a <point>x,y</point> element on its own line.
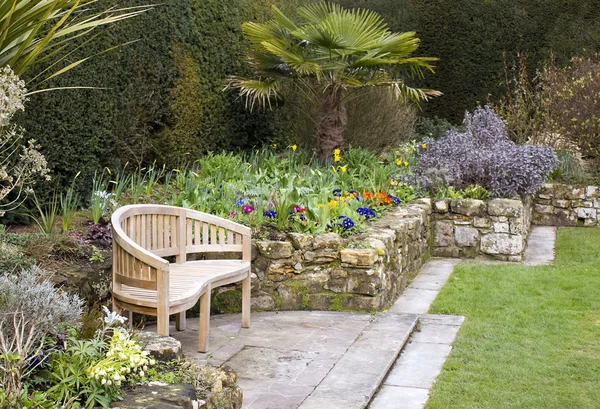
<point>146,283</point>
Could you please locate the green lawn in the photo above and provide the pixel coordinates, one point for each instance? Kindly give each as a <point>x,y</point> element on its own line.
<point>531,338</point>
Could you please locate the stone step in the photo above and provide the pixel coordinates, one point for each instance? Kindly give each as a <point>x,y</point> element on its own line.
<point>355,378</point>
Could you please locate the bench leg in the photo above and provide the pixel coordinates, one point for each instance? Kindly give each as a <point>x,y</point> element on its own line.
<point>162,324</point>
<point>203,329</point>
<point>180,324</point>
<point>246,302</point>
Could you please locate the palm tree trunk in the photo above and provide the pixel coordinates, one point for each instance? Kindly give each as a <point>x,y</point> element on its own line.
<point>331,122</point>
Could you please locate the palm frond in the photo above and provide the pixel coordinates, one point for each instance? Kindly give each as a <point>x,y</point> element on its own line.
<point>256,91</point>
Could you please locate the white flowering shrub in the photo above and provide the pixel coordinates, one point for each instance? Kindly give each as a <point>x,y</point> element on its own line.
<point>20,164</point>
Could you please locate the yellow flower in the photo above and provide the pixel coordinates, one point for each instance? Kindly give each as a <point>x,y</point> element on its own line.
<point>294,147</point>
<point>405,163</point>
<point>337,151</point>
<point>398,162</point>
<point>343,169</point>
<point>424,146</point>
<point>334,169</point>
<point>274,145</point>
<point>336,158</point>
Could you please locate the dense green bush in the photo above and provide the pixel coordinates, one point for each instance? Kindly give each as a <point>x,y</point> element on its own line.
<point>469,40</point>
<point>164,98</point>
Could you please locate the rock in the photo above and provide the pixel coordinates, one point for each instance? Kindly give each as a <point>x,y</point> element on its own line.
<point>359,257</point>
<point>561,203</point>
<point>468,207</point>
<point>161,347</point>
<point>275,249</point>
<point>441,206</point>
<point>378,245</point>
<point>482,222</point>
<point>505,207</point>
<point>543,209</point>
<point>590,191</point>
<point>327,241</point>
<point>443,234</point>
<point>262,302</point>
<point>466,236</point>
<point>501,227</point>
<point>159,396</point>
<point>502,243</point>
<point>586,213</point>
<point>301,241</point>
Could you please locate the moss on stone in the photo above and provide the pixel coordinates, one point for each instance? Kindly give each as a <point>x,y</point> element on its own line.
<point>227,302</point>
<point>300,289</point>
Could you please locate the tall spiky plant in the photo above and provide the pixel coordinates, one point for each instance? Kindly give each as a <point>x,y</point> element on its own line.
<point>331,53</point>
<point>35,31</point>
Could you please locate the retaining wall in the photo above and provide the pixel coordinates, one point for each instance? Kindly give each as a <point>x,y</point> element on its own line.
<point>467,228</point>
<point>566,205</point>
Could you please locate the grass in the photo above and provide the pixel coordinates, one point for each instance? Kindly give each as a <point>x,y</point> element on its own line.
<point>531,338</point>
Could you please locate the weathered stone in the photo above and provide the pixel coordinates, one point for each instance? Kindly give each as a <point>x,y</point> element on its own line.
<point>590,191</point>
<point>301,241</point>
<point>378,245</point>
<point>468,207</point>
<point>502,243</point>
<point>563,217</point>
<point>327,241</point>
<point>443,234</point>
<point>482,222</point>
<point>262,302</point>
<point>501,227</point>
<point>159,396</point>
<point>543,209</point>
<point>359,257</point>
<point>586,213</point>
<point>505,207</point>
<point>279,271</point>
<point>545,197</point>
<point>275,249</point>
<point>466,236</point>
<point>597,203</point>
<point>161,347</point>
<point>441,206</point>
<point>290,296</point>
<point>561,203</point>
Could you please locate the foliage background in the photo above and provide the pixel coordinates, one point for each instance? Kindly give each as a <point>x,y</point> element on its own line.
<point>164,100</point>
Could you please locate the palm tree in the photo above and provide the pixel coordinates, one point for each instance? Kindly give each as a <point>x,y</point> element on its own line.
<point>36,31</point>
<point>332,53</point>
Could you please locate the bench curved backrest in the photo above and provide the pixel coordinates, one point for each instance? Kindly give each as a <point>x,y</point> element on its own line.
<point>143,234</point>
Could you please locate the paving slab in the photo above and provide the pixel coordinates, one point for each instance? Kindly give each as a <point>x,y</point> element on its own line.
<point>399,397</point>
<point>540,246</point>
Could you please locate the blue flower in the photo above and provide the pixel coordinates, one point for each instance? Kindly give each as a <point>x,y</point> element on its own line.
<point>366,212</point>
<point>395,200</point>
<point>271,214</point>
<point>337,192</point>
<point>240,202</point>
<point>347,222</point>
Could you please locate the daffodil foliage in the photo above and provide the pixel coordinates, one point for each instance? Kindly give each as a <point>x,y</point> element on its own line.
<point>331,52</point>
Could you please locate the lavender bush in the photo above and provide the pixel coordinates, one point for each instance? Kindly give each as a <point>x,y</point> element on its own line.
<point>483,155</point>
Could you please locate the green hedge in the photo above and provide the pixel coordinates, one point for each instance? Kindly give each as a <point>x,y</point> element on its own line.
<point>470,36</point>
<point>165,98</point>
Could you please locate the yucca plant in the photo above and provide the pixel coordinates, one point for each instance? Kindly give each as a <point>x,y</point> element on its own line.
<point>37,31</point>
<point>330,54</point>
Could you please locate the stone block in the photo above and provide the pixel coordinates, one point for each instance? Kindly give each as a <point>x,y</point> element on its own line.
<point>564,204</point>
<point>505,207</point>
<point>275,249</point>
<point>159,395</point>
<point>327,241</point>
<point>441,206</point>
<point>161,347</point>
<point>443,234</point>
<point>468,207</point>
<point>466,236</point>
<point>543,209</point>
<point>482,222</point>
<point>591,191</point>
<point>501,227</point>
<point>359,257</point>
<point>563,217</point>
<point>502,243</point>
<point>586,213</point>
<point>262,302</point>
<point>301,241</point>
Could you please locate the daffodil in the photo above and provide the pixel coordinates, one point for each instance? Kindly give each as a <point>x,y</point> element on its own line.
<point>294,147</point>
<point>336,158</point>
<point>343,169</point>
<point>337,151</point>
<point>274,145</point>
<point>424,146</point>
<point>405,163</point>
<point>398,162</point>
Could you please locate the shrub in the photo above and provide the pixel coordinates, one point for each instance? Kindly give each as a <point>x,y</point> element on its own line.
<point>31,310</point>
<point>482,155</point>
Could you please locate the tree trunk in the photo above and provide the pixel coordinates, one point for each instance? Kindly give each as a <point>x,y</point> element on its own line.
<point>332,120</point>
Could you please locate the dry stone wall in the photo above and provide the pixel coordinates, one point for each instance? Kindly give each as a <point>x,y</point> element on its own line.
<point>467,228</point>
<point>566,205</point>
<point>328,272</point>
